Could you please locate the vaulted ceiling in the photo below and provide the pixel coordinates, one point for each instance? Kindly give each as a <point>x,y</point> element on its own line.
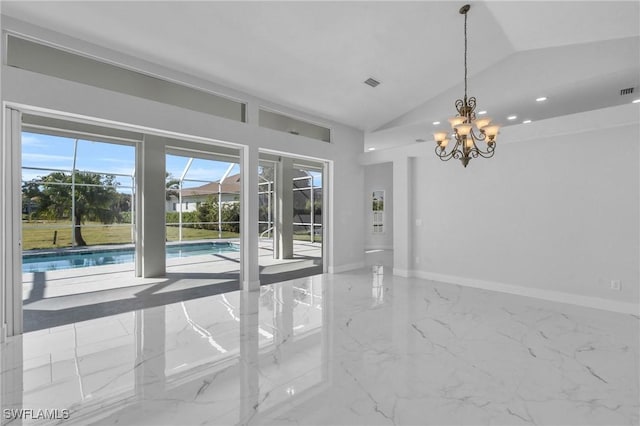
<point>315,56</point>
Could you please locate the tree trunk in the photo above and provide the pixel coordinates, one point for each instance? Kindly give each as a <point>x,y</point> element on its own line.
<point>77,232</point>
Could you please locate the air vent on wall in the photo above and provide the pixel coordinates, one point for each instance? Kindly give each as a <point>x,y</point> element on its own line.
<point>371,82</point>
<point>626,91</point>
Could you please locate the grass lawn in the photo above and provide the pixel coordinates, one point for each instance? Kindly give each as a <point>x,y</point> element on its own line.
<point>40,235</point>
<point>197,234</point>
<point>307,237</point>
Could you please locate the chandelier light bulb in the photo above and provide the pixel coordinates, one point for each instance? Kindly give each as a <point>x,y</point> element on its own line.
<point>456,121</point>
<point>440,136</point>
<point>482,122</point>
<point>468,142</point>
<point>491,131</point>
<point>463,129</point>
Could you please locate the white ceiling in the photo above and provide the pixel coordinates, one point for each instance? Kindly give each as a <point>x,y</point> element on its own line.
<point>315,56</point>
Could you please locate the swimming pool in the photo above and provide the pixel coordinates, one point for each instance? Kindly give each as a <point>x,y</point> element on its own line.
<point>43,262</point>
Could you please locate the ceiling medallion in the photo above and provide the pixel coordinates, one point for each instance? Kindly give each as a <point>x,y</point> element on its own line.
<point>468,131</point>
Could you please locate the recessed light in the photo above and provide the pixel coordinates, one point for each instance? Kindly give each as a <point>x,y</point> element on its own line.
<point>636,101</point>
<point>419,140</point>
<point>372,149</point>
<point>512,117</point>
<point>435,123</point>
<point>482,112</point>
<point>541,99</point>
<point>526,122</point>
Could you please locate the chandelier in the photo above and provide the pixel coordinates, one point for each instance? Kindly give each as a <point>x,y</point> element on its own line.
<point>468,131</point>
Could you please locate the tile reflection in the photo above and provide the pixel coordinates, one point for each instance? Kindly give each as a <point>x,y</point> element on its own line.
<point>293,364</point>
<point>377,286</point>
<point>352,348</point>
<point>230,357</point>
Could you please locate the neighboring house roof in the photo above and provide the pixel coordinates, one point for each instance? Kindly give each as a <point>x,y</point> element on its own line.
<point>230,185</point>
<point>233,185</point>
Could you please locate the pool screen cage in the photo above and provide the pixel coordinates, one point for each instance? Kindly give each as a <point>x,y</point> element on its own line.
<point>185,198</point>
<point>107,195</point>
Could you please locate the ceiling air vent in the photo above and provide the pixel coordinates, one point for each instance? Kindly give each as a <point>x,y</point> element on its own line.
<point>371,82</point>
<point>626,91</point>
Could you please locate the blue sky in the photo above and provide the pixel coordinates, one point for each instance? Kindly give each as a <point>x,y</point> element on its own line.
<point>54,152</point>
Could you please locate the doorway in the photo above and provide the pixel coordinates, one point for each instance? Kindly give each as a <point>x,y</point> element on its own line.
<point>291,201</point>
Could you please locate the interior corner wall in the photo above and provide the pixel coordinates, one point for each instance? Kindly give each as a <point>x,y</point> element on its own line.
<point>379,177</point>
<point>347,226</point>
<point>556,213</point>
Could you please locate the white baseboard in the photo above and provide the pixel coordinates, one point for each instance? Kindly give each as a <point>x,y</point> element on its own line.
<point>551,295</point>
<point>403,272</point>
<point>378,248</point>
<point>344,268</point>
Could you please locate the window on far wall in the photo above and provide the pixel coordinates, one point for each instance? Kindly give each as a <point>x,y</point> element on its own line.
<point>377,207</point>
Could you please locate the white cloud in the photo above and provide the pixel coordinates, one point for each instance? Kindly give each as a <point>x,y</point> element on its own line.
<point>32,141</point>
<point>122,170</point>
<point>116,160</point>
<point>46,158</point>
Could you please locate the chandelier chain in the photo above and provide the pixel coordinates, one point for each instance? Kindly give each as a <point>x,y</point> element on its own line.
<point>465,56</point>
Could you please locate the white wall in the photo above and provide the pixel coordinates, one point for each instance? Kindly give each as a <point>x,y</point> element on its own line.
<point>2,221</point>
<point>555,213</point>
<point>379,177</point>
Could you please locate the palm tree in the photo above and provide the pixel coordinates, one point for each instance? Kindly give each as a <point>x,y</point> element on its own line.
<point>172,186</point>
<point>95,195</point>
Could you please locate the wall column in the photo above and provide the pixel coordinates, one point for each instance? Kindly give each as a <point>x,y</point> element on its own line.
<point>151,227</point>
<point>2,196</point>
<point>402,216</point>
<point>284,209</point>
<point>11,226</point>
<point>249,238</point>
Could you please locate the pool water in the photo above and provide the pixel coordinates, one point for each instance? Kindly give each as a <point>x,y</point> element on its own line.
<point>83,259</point>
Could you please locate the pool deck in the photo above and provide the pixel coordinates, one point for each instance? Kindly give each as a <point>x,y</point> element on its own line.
<point>62,296</point>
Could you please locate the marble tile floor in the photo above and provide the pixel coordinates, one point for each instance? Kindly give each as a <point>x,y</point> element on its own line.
<point>360,348</point>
